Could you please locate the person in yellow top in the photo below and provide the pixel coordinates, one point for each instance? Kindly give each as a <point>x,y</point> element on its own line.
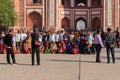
<point>27,44</point>
<point>76,35</point>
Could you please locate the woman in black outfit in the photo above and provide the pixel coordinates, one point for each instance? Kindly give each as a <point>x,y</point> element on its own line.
<point>35,48</point>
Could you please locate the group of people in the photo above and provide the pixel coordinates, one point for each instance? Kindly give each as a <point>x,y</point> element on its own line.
<point>74,42</point>
<point>109,44</point>
<point>9,39</point>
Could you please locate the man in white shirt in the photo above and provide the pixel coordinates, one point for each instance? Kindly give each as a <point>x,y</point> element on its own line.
<point>57,36</point>
<point>53,36</point>
<point>40,37</point>
<point>90,38</point>
<point>23,36</point>
<point>17,37</point>
<point>61,35</point>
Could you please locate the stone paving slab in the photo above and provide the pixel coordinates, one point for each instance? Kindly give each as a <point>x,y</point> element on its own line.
<point>100,71</point>
<point>60,67</point>
<point>53,67</point>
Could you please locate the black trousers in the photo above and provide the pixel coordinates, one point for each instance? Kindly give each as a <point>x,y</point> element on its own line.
<point>37,51</point>
<point>10,52</point>
<point>98,51</point>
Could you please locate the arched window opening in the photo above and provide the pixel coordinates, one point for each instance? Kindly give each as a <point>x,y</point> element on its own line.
<point>65,2</point>
<point>36,1</point>
<point>65,23</point>
<point>81,2</point>
<point>34,19</point>
<point>80,24</point>
<point>96,2</point>
<point>96,23</point>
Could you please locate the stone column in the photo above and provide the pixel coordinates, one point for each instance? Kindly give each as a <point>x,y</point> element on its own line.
<point>25,23</point>
<point>46,16</point>
<point>57,14</point>
<point>89,3</point>
<point>52,8</point>
<point>109,13</point>
<point>104,15</point>
<point>72,3</point>
<point>116,13</point>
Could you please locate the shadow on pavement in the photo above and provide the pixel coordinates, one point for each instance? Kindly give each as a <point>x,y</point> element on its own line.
<point>1,63</point>
<point>88,61</point>
<point>116,58</point>
<point>82,61</point>
<point>64,60</point>
<point>24,64</point>
<point>72,61</point>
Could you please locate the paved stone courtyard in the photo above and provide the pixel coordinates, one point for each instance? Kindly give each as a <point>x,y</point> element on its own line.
<point>60,67</point>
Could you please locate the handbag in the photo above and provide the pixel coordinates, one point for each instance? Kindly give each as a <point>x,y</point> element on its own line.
<point>37,43</point>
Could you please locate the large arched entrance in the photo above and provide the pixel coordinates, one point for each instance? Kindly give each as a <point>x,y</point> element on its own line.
<point>34,20</point>
<point>96,24</point>
<point>65,23</point>
<point>80,24</point>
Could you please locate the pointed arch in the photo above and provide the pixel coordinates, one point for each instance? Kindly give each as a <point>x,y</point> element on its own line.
<point>65,23</point>
<point>80,24</point>
<point>96,2</point>
<point>80,2</point>
<point>65,2</point>
<point>36,1</point>
<point>96,23</point>
<point>34,19</point>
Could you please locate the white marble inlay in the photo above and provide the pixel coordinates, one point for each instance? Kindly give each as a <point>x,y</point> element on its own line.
<point>72,3</point>
<point>96,16</point>
<point>52,12</point>
<point>81,12</point>
<point>32,10</point>
<point>109,18</point>
<point>65,12</point>
<point>96,12</point>
<point>63,16</point>
<point>77,17</point>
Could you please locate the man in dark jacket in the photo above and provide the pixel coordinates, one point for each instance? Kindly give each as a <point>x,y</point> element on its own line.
<point>110,41</point>
<point>8,42</point>
<point>35,48</point>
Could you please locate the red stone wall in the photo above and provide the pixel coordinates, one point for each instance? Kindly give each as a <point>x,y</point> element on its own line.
<point>71,13</point>
<point>34,19</point>
<point>19,8</point>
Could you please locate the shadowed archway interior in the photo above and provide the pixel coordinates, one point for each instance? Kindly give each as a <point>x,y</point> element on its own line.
<point>78,2</point>
<point>96,23</point>
<point>34,20</point>
<point>66,23</point>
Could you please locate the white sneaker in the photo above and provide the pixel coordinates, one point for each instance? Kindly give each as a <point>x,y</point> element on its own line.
<point>14,64</point>
<point>8,64</point>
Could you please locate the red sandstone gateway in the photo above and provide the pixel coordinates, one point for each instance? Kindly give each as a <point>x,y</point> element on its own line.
<point>68,14</point>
